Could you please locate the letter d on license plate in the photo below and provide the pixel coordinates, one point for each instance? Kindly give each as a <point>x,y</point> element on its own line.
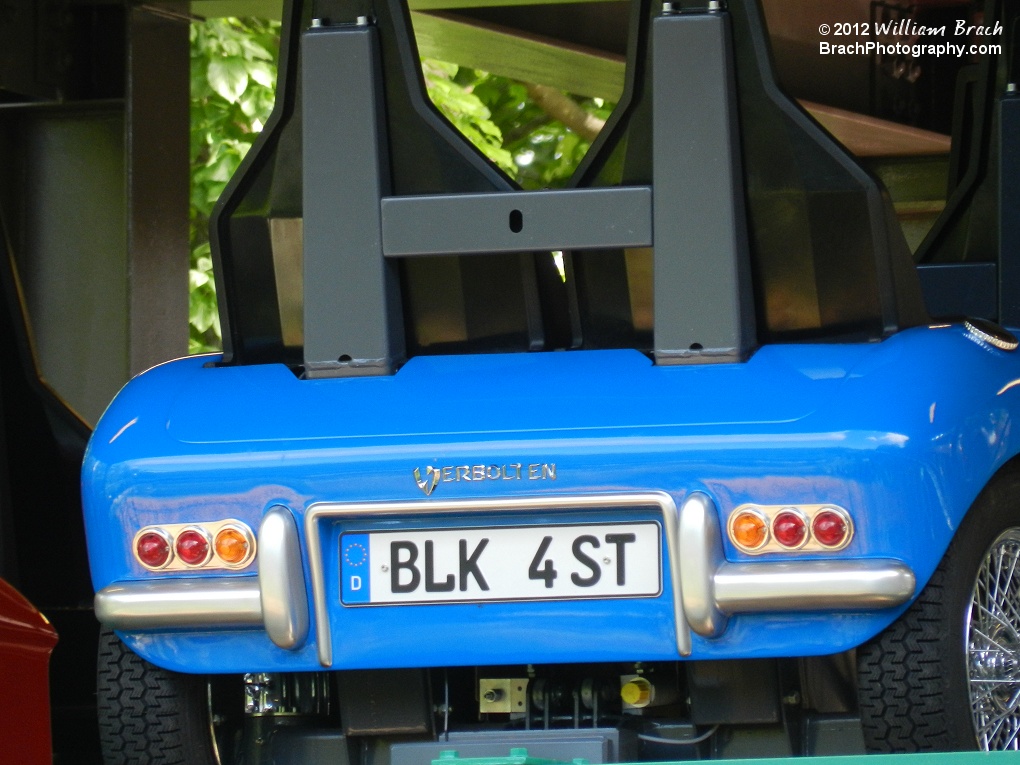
<point>610,560</point>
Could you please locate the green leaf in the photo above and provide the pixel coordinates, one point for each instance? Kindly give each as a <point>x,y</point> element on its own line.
<point>228,77</point>
<point>262,73</point>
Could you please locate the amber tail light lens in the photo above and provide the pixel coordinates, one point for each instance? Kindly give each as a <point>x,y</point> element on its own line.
<point>233,546</point>
<point>749,530</point>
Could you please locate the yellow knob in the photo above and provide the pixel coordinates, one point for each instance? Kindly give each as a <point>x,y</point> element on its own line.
<point>637,692</point>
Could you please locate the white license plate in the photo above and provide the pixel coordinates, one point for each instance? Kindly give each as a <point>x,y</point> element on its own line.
<point>610,560</point>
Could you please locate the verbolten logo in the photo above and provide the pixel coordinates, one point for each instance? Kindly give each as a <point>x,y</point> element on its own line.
<point>514,471</point>
<point>428,484</point>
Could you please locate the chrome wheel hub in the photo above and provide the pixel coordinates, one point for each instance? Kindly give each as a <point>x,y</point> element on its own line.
<point>993,645</point>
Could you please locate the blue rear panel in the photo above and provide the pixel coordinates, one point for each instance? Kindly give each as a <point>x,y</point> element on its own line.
<point>903,434</point>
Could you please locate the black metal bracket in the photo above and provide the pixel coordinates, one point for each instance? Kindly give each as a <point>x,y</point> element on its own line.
<point>1009,203</point>
<point>354,230</point>
<point>704,309</point>
<point>352,306</point>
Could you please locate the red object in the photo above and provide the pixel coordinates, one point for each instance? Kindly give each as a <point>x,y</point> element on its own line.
<point>193,547</point>
<point>789,529</point>
<point>153,549</point>
<point>829,528</point>
<point>26,642</point>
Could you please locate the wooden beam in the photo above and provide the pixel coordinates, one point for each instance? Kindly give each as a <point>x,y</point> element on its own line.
<point>519,56</point>
<point>262,9</point>
<point>273,9</point>
<point>583,71</point>
<point>868,136</point>
<point>450,5</point>
<point>586,72</point>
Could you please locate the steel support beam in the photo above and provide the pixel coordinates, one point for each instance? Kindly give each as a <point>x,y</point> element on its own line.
<point>1009,210</point>
<point>703,303</point>
<point>523,221</point>
<point>353,323</point>
<point>158,183</point>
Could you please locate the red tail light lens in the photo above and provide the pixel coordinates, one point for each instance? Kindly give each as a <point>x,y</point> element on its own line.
<point>153,549</point>
<point>193,547</point>
<point>790,529</point>
<point>830,528</point>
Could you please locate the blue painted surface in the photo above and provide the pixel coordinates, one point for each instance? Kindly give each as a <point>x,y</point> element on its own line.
<point>902,433</point>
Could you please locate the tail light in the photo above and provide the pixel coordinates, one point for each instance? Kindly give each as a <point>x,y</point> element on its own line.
<point>831,527</point>
<point>193,547</point>
<point>188,546</point>
<point>154,548</point>
<point>233,545</point>
<point>749,529</point>
<point>790,529</point>
<point>757,529</point>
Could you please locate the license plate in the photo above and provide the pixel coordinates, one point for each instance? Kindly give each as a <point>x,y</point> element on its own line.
<point>610,560</point>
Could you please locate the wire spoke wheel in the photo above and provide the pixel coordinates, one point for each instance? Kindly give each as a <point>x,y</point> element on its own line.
<point>993,646</point>
<point>945,676</point>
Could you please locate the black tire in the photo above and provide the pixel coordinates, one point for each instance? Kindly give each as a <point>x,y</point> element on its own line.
<point>915,688</point>
<point>148,715</point>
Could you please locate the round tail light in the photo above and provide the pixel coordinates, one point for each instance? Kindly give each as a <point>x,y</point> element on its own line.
<point>749,530</point>
<point>193,547</point>
<point>154,549</point>
<point>830,528</point>
<point>790,529</point>
<point>233,546</point>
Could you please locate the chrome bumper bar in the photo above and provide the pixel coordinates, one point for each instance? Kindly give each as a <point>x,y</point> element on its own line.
<point>707,588</point>
<point>179,604</point>
<point>276,601</point>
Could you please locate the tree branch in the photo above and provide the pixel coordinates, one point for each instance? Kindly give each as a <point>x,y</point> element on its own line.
<point>566,110</point>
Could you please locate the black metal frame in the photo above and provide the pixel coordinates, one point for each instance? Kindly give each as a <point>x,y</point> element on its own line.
<point>353,322</point>
<point>384,177</point>
<point>969,263</point>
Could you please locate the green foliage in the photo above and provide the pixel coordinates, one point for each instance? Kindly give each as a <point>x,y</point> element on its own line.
<point>233,81</point>
<point>498,116</point>
<point>451,89</point>
<point>545,151</point>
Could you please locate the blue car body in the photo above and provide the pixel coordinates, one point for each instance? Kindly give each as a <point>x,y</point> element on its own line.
<point>901,433</point>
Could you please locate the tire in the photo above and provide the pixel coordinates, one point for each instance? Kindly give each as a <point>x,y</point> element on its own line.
<point>946,675</point>
<point>148,715</point>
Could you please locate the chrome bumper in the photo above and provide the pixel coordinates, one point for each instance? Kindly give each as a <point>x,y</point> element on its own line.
<point>276,601</point>
<point>707,588</point>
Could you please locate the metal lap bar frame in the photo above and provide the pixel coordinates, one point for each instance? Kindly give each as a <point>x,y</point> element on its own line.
<point>703,305</point>
<point>697,224</point>
<point>344,137</point>
<point>340,510</point>
<point>1009,199</point>
<point>523,221</point>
